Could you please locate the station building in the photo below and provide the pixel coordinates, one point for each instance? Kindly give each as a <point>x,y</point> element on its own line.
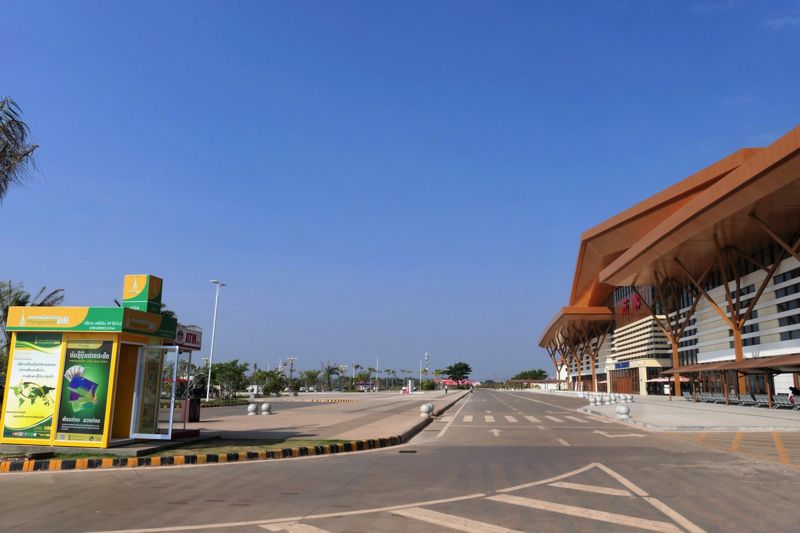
<point>695,288</point>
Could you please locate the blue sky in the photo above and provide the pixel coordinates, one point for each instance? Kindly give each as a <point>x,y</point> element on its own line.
<point>372,179</point>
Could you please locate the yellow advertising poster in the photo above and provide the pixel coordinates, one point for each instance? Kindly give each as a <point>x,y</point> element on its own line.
<point>31,387</point>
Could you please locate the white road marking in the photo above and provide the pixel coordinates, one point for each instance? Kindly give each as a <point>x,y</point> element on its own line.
<point>286,519</point>
<point>601,419</point>
<point>293,527</point>
<point>511,419</point>
<point>563,442</point>
<point>532,419</point>
<point>670,512</point>
<point>496,432</point>
<point>447,418</point>
<point>591,488</point>
<point>540,427</point>
<point>636,490</point>
<point>576,419</point>
<point>449,521</point>
<point>467,418</point>
<point>488,418</point>
<point>451,419</point>
<point>591,514</point>
<point>553,418</point>
<point>610,436</point>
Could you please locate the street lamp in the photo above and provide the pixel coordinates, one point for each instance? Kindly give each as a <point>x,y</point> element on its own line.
<point>219,284</point>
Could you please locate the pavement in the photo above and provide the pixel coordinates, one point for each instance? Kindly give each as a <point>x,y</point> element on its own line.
<point>496,461</point>
<point>658,413</point>
<point>365,416</point>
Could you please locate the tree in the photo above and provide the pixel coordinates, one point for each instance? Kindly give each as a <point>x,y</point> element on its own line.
<point>274,381</point>
<point>230,377</point>
<point>531,374</point>
<point>329,370</point>
<point>310,377</point>
<point>14,294</point>
<point>458,372</point>
<point>16,154</point>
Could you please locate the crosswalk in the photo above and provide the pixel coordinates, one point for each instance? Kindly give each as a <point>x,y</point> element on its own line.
<point>523,419</point>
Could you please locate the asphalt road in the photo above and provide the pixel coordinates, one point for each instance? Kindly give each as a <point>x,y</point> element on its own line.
<point>496,461</point>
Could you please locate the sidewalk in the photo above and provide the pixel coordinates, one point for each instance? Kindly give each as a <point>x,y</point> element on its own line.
<point>658,413</point>
<point>365,418</point>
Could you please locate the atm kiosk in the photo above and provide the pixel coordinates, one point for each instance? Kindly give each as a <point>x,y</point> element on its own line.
<point>92,376</point>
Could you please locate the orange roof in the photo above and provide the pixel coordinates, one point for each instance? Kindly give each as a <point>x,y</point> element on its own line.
<point>576,318</point>
<point>767,184</point>
<point>604,243</point>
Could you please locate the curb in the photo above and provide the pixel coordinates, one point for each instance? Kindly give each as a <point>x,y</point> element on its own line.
<point>50,465</point>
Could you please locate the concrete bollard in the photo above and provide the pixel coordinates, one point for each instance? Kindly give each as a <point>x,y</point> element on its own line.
<point>251,409</point>
<point>266,408</point>
<point>426,410</point>
<point>630,398</point>
<point>623,412</point>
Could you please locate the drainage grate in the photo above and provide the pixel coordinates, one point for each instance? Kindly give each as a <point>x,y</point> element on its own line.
<point>407,451</point>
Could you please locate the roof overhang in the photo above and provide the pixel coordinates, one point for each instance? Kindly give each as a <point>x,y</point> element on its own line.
<point>779,364</point>
<point>767,184</point>
<point>575,319</point>
<point>604,243</point>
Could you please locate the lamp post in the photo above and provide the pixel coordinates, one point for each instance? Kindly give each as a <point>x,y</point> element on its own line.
<point>219,284</point>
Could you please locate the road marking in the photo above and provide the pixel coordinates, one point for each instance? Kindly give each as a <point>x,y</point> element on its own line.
<point>610,436</point>
<point>449,521</point>
<point>511,419</point>
<point>532,419</point>
<point>563,442</point>
<point>553,418</point>
<point>293,527</point>
<point>591,514</point>
<point>576,419</point>
<point>467,418</point>
<point>488,418</point>
<point>550,480</point>
<point>590,488</point>
<point>451,419</point>
<point>632,486</point>
<point>447,418</point>
<point>496,432</point>
<point>672,513</point>
<point>783,455</point>
<point>288,519</point>
<point>540,427</point>
<point>737,441</point>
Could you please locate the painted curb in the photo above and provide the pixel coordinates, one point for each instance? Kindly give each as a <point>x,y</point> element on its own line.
<point>40,465</point>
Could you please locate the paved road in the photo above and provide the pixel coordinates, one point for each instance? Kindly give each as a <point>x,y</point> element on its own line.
<point>496,462</point>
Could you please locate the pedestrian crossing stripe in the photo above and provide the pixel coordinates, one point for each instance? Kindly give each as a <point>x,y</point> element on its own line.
<point>576,419</point>
<point>488,418</point>
<point>511,419</point>
<point>553,418</point>
<point>467,418</point>
<point>532,419</point>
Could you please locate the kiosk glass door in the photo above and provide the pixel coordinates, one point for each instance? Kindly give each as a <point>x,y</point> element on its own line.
<point>154,394</point>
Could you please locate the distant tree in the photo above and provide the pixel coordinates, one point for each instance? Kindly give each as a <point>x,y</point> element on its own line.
<point>328,371</point>
<point>16,153</point>
<point>274,381</point>
<point>458,372</point>
<point>531,374</point>
<point>230,377</point>
<point>310,377</point>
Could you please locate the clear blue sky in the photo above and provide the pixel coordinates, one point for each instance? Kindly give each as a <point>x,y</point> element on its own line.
<point>373,179</point>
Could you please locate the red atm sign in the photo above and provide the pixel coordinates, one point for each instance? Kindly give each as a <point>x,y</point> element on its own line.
<point>189,338</point>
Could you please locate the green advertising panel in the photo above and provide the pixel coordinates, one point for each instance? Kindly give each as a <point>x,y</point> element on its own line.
<point>31,385</point>
<point>84,391</point>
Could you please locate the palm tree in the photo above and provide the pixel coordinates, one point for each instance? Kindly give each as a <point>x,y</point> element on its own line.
<point>16,154</point>
<point>329,370</point>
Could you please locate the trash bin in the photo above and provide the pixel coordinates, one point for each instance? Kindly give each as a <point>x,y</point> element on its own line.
<point>192,406</point>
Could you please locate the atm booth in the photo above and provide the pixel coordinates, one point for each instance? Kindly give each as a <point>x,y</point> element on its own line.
<point>93,376</point>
